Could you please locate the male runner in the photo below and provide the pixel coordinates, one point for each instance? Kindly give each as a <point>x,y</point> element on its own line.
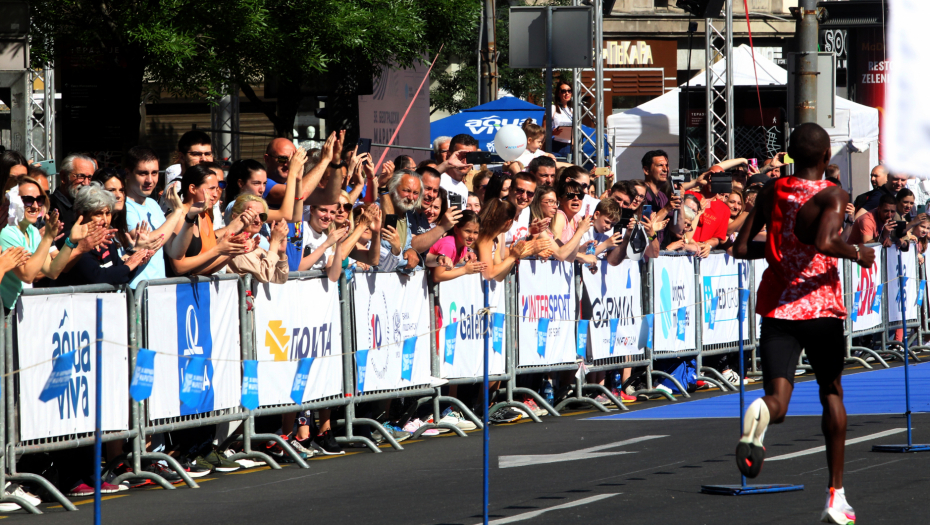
<point>801,303</point>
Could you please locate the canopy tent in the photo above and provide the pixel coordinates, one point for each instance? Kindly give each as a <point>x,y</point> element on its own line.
<point>482,121</point>
<point>654,125</point>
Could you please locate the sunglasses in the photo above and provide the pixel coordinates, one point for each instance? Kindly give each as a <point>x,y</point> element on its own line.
<point>221,184</point>
<point>29,201</point>
<point>518,191</point>
<point>199,154</point>
<point>263,217</point>
<point>565,91</point>
<point>282,159</point>
<point>573,196</point>
<point>347,208</point>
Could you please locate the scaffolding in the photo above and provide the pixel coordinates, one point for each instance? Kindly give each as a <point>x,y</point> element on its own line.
<point>719,89</point>
<point>588,101</point>
<point>40,121</point>
<point>224,115</point>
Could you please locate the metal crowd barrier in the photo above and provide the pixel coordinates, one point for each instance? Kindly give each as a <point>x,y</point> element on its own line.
<point>141,425</point>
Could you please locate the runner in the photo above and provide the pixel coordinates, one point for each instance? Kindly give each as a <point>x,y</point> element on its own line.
<point>801,303</point>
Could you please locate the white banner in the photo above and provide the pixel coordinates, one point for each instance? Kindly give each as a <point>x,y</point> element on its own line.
<point>389,308</point>
<point>893,270</point>
<point>50,325</point>
<point>615,292</point>
<point>720,286</point>
<point>459,301</point>
<point>200,320</point>
<point>547,291</point>
<point>672,290</point>
<point>295,320</point>
<point>865,283</point>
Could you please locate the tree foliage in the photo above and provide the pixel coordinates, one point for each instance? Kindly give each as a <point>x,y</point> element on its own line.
<point>198,49</point>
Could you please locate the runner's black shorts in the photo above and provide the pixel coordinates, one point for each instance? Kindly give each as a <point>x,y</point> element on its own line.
<point>782,340</point>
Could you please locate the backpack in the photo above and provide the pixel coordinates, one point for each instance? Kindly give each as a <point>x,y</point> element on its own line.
<point>685,371</point>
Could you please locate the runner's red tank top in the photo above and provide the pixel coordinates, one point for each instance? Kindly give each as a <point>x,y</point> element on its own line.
<point>799,283</point>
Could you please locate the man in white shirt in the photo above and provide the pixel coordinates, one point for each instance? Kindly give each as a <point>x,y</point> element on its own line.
<point>522,191</point>
<point>194,147</point>
<point>454,168</point>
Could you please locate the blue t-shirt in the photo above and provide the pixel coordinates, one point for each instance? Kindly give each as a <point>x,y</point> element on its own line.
<point>295,234</point>
<point>151,213</point>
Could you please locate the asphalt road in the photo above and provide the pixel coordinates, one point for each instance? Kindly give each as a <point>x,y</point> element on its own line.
<point>656,480</point>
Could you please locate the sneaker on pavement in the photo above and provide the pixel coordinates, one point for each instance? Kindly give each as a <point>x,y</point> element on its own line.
<point>667,390</point>
<point>531,404</point>
<point>165,473</point>
<point>303,447</point>
<point>504,415</point>
<point>440,430</point>
<point>837,510</point>
<point>458,419</point>
<point>414,424</point>
<point>197,468</point>
<point>327,444</point>
<point>604,400</point>
<point>221,463</point>
<point>623,396</point>
<point>244,462</point>
<point>731,377</point>
<point>395,432</point>
<point>15,489</point>
<point>750,453</point>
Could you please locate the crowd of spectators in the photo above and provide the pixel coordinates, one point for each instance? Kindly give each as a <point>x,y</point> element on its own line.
<point>332,210</point>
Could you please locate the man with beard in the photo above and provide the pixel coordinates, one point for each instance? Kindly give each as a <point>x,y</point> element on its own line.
<point>76,171</point>
<point>405,192</point>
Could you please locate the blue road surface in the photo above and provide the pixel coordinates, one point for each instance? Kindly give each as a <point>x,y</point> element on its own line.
<point>875,392</point>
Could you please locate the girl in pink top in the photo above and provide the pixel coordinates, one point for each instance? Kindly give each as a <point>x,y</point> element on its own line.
<point>451,249</point>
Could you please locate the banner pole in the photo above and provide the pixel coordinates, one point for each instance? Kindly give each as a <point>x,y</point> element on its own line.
<point>487,436</point>
<point>98,415</point>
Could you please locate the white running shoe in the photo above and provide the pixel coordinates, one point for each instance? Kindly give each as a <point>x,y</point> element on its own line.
<point>837,510</point>
<point>750,453</point>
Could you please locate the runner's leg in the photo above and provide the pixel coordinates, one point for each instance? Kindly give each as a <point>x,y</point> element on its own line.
<point>833,425</point>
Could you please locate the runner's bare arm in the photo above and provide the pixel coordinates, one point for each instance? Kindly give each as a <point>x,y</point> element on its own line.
<point>820,222</point>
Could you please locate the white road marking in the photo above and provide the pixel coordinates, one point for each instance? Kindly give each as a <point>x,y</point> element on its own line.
<point>585,453</point>
<point>537,513</point>
<point>848,442</point>
<point>872,466</point>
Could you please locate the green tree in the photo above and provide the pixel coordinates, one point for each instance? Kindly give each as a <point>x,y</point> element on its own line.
<point>198,49</point>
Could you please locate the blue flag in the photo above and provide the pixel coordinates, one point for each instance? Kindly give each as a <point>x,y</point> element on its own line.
<point>582,349</point>
<point>649,321</point>
<point>920,292</point>
<point>542,333</point>
<point>451,336</point>
<point>857,299</point>
<point>406,364</point>
<point>877,301</point>
<point>497,342</point>
<point>300,379</point>
<point>743,305</point>
<point>682,318</point>
<point>613,334</point>
<point>713,312</point>
<point>192,383</point>
<point>249,398</point>
<point>361,364</point>
<point>143,377</point>
<point>60,377</point>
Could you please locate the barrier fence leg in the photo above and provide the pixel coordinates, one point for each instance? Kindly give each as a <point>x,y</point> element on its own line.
<point>910,446</point>
<point>98,415</point>
<point>743,489</point>
<point>247,452</point>
<point>512,331</point>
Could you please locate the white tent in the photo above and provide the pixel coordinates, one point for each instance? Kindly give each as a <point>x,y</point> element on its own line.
<point>654,125</point>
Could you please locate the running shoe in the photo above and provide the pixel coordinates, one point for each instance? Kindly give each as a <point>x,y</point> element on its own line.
<point>414,424</point>
<point>531,404</point>
<point>504,415</point>
<point>83,489</point>
<point>328,444</point>
<point>244,462</point>
<point>731,377</point>
<point>623,396</point>
<point>220,463</point>
<point>440,430</point>
<point>197,468</point>
<point>166,473</point>
<point>398,434</point>
<point>454,417</point>
<point>300,447</point>
<point>837,510</point>
<point>604,400</point>
<point>15,489</point>
<point>749,452</point>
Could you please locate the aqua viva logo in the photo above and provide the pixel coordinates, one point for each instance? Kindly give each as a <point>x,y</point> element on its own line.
<point>667,294</point>
<point>75,401</point>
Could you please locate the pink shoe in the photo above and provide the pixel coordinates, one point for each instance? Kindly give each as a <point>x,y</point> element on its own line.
<point>414,424</point>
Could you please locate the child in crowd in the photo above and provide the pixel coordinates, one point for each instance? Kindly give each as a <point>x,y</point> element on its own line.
<point>601,236</point>
<point>451,249</point>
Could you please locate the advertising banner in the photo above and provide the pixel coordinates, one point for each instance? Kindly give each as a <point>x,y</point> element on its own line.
<point>547,291</point>
<point>296,320</point>
<point>720,283</point>
<point>673,303</point>
<point>389,309</point>
<point>615,292</point>
<point>198,320</point>
<point>909,271</point>
<point>459,302</point>
<point>867,289</point>
<point>48,326</point>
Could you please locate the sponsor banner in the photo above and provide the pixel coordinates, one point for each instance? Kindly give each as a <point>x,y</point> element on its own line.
<point>52,325</point>
<point>867,282</point>
<point>893,288</point>
<point>720,293</point>
<point>673,303</point>
<point>459,302</point>
<point>390,308</point>
<point>194,320</point>
<point>293,321</point>
<point>758,268</point>
<point>547,291</point>
<point>615,292</point>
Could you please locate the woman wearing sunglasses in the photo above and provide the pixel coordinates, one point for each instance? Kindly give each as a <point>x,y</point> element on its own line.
<point>205,251</point>
<point>26,236</point>
<point>265,265</point>
<point>570,222</point>
<point>561,115</point>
